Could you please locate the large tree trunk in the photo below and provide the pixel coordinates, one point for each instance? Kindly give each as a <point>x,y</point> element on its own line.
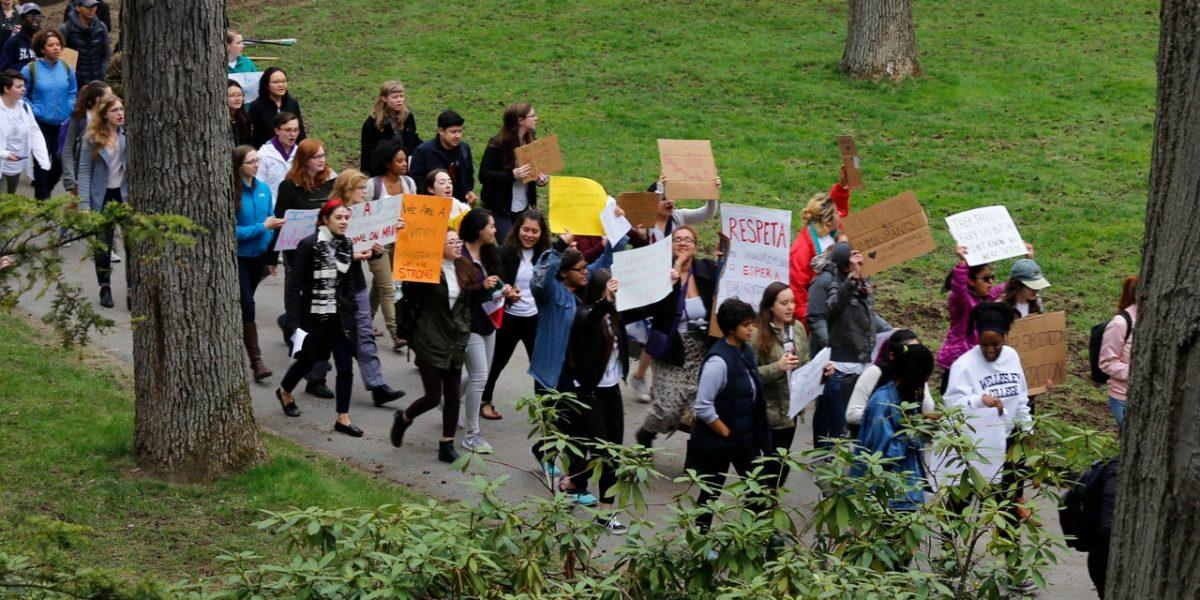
<point>880,41</point>
<point>193,413</point>
<point>1156,542</point>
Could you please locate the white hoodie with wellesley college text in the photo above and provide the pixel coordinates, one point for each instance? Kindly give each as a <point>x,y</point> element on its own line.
<point>972,376</point>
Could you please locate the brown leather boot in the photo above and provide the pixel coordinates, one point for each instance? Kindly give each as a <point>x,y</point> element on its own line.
<point>250,337</point>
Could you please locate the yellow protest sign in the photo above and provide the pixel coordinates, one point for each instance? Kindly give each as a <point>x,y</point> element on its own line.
<point>575,205</point>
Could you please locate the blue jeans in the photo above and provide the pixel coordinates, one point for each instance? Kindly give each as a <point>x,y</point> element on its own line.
<point>829,420</point>
<point>251,271</point>
<point>1118,410</point>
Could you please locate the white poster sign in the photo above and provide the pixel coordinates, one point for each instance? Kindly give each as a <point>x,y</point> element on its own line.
<point>615,227</point>
<point>988,233</point>
<point>759,240</point>
<point>298,224</point>
<point>644,274</point>
<point>374,222</point>
<point>804,384</point>
<point>249,83</point>
<point>990,440</point>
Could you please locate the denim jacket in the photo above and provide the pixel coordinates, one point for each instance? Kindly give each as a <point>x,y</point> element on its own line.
<point>556,313</point>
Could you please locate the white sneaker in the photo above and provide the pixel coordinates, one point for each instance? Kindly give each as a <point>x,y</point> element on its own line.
<point>640,387</point>
<point>613,526</point>
<point>476,444</point>
<point>116,258</point>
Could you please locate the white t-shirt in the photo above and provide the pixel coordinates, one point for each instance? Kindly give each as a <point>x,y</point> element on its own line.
<point>972,376</point>
<point>612,371</point>
<point>525,307</point>
<point>17,140</point>
<point>693,310</point>
<point>520,200</point>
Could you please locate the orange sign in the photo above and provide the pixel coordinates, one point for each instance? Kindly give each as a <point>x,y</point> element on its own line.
<point>418,255</point>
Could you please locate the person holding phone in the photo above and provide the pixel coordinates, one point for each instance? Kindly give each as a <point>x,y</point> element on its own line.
<point>780,347</point>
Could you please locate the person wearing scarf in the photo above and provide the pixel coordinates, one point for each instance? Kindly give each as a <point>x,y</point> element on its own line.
<point>323,292</point>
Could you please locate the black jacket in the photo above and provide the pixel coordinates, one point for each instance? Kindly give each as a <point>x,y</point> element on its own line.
<point>495,175</point>
<point>585,352</point>
<point>92,44</point>
<point>740,405</point>
<point>372,137</point>
<point>320,327</point>
<point>262,118</point>
<point>510,262</point>
<point>662,313</point>
<point>431,155</point>
<point>103,13</point>
<point>841,315</point>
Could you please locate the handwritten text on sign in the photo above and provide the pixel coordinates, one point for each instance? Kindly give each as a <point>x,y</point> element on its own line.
<point>889,233</point>
<point>419,245</point>
<point>575,205</point>
<point>1041,342</point>
<point>644,274</point>
<point>298,224</point>
<point>689,169</point>
<point>758,251</point>
<point>373,222</point>
<point>988,233</point>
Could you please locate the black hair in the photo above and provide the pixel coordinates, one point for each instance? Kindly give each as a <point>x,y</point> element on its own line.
<point>593,292</point>
<point>282,118</point>
<point>899,338</point>
<point>469,228</point>
<point>995,316</point>
<point>264,84</point>
<point>9,77</point>
<point>382,156</point>
<point>733,312</point>
<point>447,119</point>
<point>513,241</point>
<point>910,369</point>
<point>596,286</point>
<point>972,273</point>
<point>570,260</point>
<point>431,177</point>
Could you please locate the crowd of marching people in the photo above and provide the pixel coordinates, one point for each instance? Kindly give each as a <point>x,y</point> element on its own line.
<point>729,392</point>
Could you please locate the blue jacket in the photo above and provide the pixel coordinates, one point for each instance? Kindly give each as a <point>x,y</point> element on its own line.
<point>878,434</point>
<point>51,91</point>
<point>93,173</point>
<point>253,238</point>
<point>556,314</point>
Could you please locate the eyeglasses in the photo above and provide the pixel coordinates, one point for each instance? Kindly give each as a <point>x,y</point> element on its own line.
<point>580,269</point>
<point>454,243</point>
<point>251,162</point>
<point>684,241</point>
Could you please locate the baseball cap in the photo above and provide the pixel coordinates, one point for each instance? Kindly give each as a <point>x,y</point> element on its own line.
<point>88,3</point>
<point>30,7</point>
<point>1029,273</point>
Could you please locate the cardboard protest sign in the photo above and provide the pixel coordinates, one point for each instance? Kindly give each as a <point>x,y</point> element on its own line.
<point>1041,341</point>
<point>988,233</point>
<point>249,83</point>
<point>889,233</point>
<point>851,161</point>
<point>644,274</point>
<point>990,442</point>
<point>804,384</point>
<point>542,155</point>
<point>641,208</point>
<point>71,57</point>
<point>373,222</point>
<point>689,169</point>
<point>418,254</point>
<point>297,225</point>
<point>575,205</point>
<point>759,240</point>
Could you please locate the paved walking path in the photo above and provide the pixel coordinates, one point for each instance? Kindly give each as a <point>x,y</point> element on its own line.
<point>415,464</point>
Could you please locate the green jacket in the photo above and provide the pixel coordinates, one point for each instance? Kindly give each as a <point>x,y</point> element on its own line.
<point>775,380</point>
<point>441,333</point>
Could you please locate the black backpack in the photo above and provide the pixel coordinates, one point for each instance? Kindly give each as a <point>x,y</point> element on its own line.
<point>1094,346</point>
<point>1080,514</point>
<point>407,313</point>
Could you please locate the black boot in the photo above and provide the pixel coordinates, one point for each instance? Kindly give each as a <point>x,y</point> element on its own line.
<point>399,426</point>
<point>106,296</point>
<point>446,451</point>
<point>384,394</point>
<point>645,438</point>
<point>319,389</point>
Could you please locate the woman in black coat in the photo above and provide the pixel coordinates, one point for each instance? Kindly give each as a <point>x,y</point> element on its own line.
<point>273,97</point>
<point>390,119</point>
<point>323,288</point>
<point>503,193</point>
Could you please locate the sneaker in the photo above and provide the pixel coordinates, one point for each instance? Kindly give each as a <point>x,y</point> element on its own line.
<point>476,444</point>
<point>613,526</point>
<point>641,388</point>
<point>1023,588</point>
<point>548,467</point>
<point>116,258</point>
<point>581,497</point>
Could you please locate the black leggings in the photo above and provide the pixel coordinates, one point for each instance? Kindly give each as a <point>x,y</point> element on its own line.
<point>603,419</point>
<point>103,256</point>
<point>515,330</point>
<point>712,464</point>
<point>436,383</point>
<point>44,180</point>
<point>343,360</point>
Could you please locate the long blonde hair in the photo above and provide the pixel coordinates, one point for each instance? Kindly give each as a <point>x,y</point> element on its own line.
<point>382,113</point>
<point>347,181</point>
<point>820,213</point>
<point>99,131</point>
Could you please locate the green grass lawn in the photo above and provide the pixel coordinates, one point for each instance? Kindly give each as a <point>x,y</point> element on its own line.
<point>66,453</point>
<point>1045,107</point>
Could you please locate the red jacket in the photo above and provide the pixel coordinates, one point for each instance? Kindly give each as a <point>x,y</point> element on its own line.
<point>800,271</point>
